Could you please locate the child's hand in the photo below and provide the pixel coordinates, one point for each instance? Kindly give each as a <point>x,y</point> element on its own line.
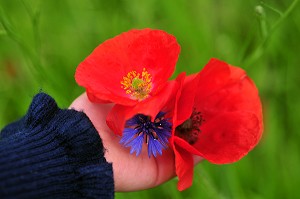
<point>131,172</point>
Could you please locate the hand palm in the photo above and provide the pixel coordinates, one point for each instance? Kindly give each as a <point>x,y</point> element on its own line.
<point>131,172</point>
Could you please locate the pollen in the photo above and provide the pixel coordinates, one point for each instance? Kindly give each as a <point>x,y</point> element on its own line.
<point>137,85</point>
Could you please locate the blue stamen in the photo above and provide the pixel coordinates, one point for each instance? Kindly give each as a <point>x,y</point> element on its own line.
<point>140,129</point>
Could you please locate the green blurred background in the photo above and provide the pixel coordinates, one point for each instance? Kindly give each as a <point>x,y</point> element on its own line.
<point>43,41</point>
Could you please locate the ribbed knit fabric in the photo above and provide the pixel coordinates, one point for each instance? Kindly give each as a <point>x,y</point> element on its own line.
<point>53,153</point>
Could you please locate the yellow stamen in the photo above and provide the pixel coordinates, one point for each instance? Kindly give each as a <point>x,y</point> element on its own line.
<point>138,87</point>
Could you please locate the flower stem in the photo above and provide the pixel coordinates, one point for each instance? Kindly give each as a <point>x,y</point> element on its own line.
<point>259,50</point>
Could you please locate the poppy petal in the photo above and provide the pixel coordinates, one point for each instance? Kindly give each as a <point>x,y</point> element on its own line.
<point>230,90</point>
<point>237,93</point>
<point>212,77</point>
<point>156,51</point>
<point>115,119</point>
<point>185,145</point>
<point>184,165</point>
<point>185,102</point>
<point>228,137</point>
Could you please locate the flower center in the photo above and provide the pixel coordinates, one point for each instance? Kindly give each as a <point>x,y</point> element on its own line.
<point>189,130</point>
<point>149,129</point>
<point>137,85</point>
<point>141,129</point>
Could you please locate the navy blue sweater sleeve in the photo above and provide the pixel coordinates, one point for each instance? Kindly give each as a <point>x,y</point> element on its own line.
<point>53,153</point>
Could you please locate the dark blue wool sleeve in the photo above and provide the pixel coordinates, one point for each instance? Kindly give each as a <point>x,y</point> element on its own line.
<point>53,153</point>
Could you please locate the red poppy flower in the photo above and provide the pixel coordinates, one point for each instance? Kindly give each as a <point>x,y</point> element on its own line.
<point>130,67</point>
<point>218,116</point>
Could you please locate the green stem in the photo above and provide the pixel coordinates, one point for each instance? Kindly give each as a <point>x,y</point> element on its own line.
<point>258,52</point>
<point>271,8</point>
<point>285,14</point>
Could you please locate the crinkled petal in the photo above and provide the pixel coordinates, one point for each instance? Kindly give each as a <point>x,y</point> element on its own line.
<point>228,137</point>
<point>236,92</point>
<point>211,78</point>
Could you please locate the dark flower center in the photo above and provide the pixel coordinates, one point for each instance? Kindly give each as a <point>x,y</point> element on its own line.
<point>145,126</point>
<point>189,130</point>
<point>141,129</point>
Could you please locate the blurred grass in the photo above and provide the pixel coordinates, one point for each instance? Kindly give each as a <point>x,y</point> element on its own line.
<point>42,42</point>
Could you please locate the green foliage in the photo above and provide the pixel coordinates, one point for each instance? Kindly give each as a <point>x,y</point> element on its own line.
<point>42,42</point>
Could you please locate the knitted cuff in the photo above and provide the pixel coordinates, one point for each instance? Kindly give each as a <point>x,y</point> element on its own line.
<point>53,153</point>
